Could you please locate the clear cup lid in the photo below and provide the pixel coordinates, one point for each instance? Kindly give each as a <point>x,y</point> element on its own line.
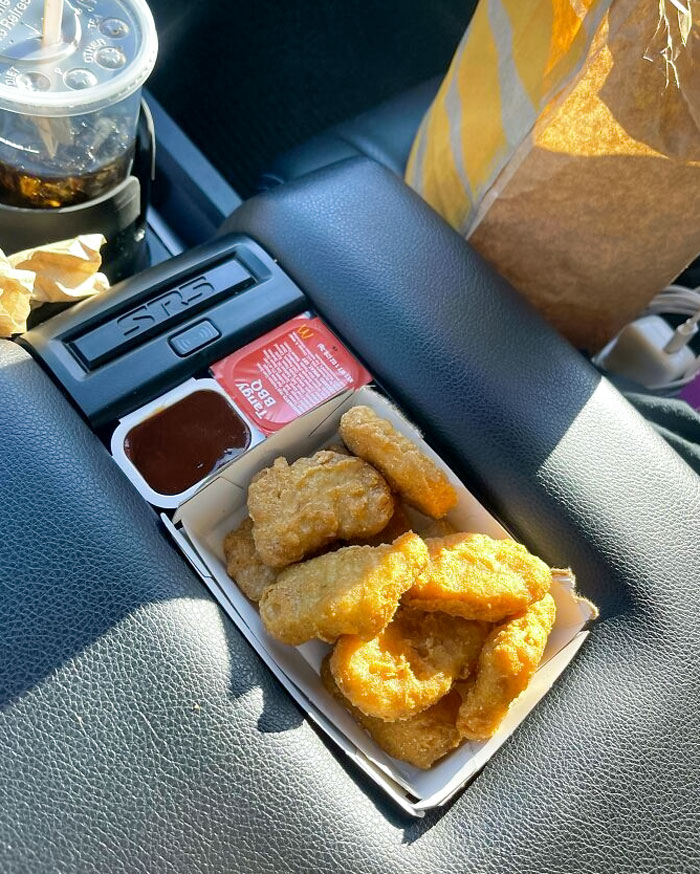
<point>107,52</point>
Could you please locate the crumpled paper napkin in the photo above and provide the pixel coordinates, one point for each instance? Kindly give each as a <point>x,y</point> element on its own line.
<point>16,288</point>
<point>55,273</point>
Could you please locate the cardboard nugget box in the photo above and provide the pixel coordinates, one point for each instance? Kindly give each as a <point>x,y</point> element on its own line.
<point>199,528</point>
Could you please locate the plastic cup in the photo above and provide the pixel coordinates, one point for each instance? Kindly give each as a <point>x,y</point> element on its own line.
<point>69,110</point>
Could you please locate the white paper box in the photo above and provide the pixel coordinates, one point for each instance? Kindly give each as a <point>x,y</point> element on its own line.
<point>220,506</point>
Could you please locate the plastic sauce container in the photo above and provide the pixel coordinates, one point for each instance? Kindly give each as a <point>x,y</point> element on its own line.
<point>69,109</point>
<point>170,446</point>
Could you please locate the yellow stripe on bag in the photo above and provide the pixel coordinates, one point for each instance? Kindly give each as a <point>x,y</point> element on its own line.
<point>480,88</point>
<point>414,168</point>
<point>445,174</point>
<point>551,41</point>
<point>571,42</point>
<point>441,175</point>
<point>532,24</point>
<point>568,48</point>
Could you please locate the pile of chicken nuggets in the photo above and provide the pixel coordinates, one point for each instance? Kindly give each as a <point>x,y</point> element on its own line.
<point>435,632</point>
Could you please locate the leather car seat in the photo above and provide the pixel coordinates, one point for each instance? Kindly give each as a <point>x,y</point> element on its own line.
<point>384,133</point>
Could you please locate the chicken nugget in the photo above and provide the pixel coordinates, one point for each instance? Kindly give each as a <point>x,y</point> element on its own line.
<point>355,590</point>
<point>338,447</point>
<point>408,666</point>
<point>409,472</point>
<point>507,662</point>
<point>477,577</point>
<point>420,740</point>
<point>398,524</point>
<point>405,519</point>
<point>297,509</point>
<point>425,526</point>
<point>244,565</point>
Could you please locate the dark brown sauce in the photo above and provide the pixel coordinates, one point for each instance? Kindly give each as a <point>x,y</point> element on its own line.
<point>181,445</point>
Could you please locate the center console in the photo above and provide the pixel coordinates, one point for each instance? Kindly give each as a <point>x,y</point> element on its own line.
<point>148,334</point>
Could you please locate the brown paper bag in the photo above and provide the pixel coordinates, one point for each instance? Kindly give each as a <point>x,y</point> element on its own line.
<point>596,207</point>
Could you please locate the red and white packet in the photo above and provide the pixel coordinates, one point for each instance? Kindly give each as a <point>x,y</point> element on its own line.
<point>287,372</point>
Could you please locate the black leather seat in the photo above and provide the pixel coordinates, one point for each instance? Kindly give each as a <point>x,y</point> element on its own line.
<point>384,133</point>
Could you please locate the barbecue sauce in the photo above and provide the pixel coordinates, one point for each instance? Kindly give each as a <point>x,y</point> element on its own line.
<point>182,444</point>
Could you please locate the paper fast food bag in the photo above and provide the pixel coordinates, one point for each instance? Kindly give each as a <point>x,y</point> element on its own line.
<point>565,144</point>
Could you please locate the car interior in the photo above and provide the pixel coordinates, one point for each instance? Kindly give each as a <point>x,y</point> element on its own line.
<point>146,726</point>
